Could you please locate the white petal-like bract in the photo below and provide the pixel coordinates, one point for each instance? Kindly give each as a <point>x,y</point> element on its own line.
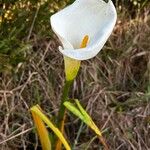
<point>94,18</point>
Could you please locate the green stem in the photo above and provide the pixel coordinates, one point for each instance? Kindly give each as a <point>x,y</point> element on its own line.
<point>61,112</point>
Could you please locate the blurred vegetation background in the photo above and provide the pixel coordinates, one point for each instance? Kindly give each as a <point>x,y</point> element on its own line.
<point>20,20</point>
<point>114,86</point>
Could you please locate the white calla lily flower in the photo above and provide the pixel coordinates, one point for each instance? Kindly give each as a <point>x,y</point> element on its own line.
<point>94,18</point>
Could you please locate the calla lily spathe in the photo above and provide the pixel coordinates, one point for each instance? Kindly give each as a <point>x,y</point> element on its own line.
<point>94,18</point>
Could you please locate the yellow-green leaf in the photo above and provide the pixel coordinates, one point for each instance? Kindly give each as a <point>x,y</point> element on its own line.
<point>71,107</point>
<point>79,111</point>
<point>36,109</point>
<point>88,118</point>
<point>42,132</point>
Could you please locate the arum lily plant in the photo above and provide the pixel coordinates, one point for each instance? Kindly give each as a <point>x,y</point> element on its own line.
<point>83,28</point>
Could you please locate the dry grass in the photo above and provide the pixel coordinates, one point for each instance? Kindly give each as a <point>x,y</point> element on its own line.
<point>114,87</point>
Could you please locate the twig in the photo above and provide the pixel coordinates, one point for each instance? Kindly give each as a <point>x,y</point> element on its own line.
<point>16,135</point>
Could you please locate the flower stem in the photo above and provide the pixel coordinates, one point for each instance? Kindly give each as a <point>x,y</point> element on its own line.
<point>62,112</point>
<point>62,109</point>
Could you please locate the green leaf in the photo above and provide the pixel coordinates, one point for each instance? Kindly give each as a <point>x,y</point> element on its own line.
<point>79,111</point>
<point>71,107</point>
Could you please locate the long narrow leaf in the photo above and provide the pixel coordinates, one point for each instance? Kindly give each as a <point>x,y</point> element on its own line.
<point>79,111</point>
<point>82,114</point>
<point>36,109</point>
<point>74,110</point>
<point>88,118</point>
<point>42,132</point>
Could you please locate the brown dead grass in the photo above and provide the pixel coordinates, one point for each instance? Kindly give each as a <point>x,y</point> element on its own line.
<point>114,87</point>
